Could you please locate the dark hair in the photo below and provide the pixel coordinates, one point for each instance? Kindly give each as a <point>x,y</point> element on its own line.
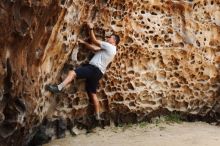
<point>117,38</point>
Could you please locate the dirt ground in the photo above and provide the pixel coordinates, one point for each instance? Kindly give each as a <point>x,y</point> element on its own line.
<point>143,134</point>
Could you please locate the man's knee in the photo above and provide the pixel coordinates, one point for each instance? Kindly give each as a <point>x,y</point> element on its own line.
<point>72,74</point>
<point>91,95</point>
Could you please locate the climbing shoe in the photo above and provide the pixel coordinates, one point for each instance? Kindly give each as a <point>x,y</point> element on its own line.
<point>53,88</point>
<point>99,118</point>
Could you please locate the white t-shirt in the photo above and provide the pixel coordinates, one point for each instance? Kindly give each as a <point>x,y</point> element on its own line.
<point>103,57</point>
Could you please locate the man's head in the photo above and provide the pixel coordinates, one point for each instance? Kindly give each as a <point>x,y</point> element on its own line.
<point>114,39</point>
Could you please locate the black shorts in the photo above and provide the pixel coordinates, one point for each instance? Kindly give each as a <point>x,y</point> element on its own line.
<point>92,75</point>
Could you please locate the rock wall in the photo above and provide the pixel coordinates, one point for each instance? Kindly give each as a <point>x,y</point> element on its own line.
<point>25,29</point>
<point>167,60</point>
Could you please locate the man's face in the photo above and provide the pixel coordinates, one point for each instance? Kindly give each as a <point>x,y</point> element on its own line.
<point>111,39</point>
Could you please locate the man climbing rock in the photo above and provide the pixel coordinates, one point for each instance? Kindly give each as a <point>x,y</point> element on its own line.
<point>92,72</point>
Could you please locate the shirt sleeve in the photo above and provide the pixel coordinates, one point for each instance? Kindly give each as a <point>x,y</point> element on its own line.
<point>105,45</point>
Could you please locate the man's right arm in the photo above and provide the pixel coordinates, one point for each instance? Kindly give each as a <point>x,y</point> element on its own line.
<point>89,46</point>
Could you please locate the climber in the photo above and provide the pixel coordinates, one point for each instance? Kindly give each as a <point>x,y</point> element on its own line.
<point>92,72</point>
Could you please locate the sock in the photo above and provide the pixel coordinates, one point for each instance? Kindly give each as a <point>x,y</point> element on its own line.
<point>98,116</point>
<point>60,86</point>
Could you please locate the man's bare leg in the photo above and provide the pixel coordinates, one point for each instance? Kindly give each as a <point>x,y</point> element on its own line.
<point>97,105</point>
<point>57,88</point>
<point>71,76</point>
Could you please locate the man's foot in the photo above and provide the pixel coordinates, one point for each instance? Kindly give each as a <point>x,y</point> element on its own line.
<point>53,88</point>
<point>98,118</point>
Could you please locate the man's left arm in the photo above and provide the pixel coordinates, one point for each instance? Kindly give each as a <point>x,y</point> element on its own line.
<point>92,35</point>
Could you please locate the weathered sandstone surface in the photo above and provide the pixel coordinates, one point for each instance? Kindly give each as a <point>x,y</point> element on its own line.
<point>167,61</point>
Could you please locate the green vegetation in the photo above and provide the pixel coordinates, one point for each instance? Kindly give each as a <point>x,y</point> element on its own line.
<point>173,118</point>
<point>157,121</point>
<point>124,126</point>
<point>143,124</point>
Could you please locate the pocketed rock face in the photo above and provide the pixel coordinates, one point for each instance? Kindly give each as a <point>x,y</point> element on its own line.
<point>167,60</point>
<point>25,28</point>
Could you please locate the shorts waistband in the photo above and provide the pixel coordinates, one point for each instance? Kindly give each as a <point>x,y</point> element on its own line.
<point>96,67</point>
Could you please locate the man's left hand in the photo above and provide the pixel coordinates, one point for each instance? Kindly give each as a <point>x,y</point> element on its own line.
<point>80,41</point>
<point>90,25</point>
